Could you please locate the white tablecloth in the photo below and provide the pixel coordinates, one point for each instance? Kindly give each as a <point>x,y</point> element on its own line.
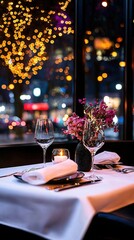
<point>63,215</point>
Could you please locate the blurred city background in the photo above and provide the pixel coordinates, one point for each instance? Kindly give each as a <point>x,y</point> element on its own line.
<point>37,63</point>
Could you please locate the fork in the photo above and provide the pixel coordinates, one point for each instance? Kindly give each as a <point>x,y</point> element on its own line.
<point>123,170</point>
<point>9,174</point>
<point>17,172</point>
<point>115,169</point>
<point>128,169</point>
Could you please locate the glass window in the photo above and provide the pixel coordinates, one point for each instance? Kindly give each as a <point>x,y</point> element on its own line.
<point>106,58</point>
<point>36,65</point>
<point>104,44</point>
<point>54,52</point>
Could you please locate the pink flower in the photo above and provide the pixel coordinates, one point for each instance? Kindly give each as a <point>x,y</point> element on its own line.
<point>75,126</point>
<point>98,113</point>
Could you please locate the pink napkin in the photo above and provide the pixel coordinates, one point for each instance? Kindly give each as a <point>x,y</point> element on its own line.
<point>43,175</point>
<point>106,157</point>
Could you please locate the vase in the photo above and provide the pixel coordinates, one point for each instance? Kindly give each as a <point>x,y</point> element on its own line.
<point>82,158</point>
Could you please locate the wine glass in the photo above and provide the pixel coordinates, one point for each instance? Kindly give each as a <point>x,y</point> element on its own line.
<point>93,140</point>
<point>44,134</point>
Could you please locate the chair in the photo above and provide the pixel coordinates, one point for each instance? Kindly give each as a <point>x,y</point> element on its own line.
<point>116,225</point>
<point>13,233</point>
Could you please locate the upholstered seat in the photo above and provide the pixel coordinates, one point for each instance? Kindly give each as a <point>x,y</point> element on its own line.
<point>16,234</point>
<point>116,225</point>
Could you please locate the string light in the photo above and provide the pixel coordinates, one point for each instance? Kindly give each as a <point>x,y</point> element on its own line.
<point>27,30</point>
<point>104,3</point>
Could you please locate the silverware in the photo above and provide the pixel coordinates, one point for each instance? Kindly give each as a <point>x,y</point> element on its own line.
<point>123,170</point>
<point>84,181</point>
<point>9,174</point>
<point>113,168</point>
<point>20,173</point>
<point>97,167</point>
<point>128,170</point>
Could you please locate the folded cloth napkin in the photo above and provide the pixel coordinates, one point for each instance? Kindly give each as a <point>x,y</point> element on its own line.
<point>106,157</point>
<point>43,175</point>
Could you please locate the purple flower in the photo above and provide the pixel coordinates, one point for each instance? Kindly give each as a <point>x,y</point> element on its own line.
<point>100,116</point>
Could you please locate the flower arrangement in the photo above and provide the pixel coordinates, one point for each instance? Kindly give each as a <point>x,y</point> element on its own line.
<point>100,116</point>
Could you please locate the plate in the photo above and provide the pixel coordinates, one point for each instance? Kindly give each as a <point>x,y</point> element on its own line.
<point>68,178</point>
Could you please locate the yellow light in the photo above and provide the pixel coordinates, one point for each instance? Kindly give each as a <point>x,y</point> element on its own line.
<point>52,41</point>
<point>104,75</point>
<point>102,43</point>
<point>18,18</point>
<point>99,78</point>
<point>10,127</point>
<point>20,81</point>
<point>86,41</point>
<point>122,64</point>
<point>11,86</point>
<point>88,32</point>
<point>69,78</point>
<point>114,54</point>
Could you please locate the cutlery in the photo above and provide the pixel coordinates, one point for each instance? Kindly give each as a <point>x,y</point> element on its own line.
<point>97,167</point>
<point>123,170</point>
<point>128,170</point>
<point>9,174</point>
<point>84,181</point>
<point>19,173</point>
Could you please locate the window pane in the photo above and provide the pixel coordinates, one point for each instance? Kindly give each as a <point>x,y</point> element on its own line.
<point>104,43</point>
<point>36,65</point>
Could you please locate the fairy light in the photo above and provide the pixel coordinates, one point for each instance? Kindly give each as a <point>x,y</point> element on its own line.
<point>25,38</point>
<point>104,3</point>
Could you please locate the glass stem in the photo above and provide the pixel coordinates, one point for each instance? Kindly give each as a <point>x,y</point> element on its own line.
<point>92,158</point>
<point>44,155</point>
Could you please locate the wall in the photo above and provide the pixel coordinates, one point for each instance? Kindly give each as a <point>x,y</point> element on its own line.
<point>25,154</point>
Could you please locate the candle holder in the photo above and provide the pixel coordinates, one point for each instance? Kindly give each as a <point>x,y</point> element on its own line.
<point>60,155</point>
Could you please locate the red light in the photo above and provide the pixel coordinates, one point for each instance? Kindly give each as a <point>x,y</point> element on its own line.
<point>36,106</point>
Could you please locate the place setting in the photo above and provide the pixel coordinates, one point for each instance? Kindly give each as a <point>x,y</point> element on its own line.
<point>57,176</point>
<point>106,160</point>
<point>61,172</point>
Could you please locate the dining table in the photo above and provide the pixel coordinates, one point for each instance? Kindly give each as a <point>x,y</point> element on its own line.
<point>61,215</point>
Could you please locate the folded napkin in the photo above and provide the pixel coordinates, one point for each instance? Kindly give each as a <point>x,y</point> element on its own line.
<point>106,157</point>
<point>43,175</point>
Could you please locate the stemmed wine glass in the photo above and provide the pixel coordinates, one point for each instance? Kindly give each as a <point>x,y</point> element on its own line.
<point>44,134</point>
<point>93,140</point>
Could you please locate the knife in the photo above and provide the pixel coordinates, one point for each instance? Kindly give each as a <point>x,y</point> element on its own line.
<point>76,184</point>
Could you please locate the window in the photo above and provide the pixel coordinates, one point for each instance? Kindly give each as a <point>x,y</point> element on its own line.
<point>36,65</point>
<point>104,46</point>
<point>54,52</point>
